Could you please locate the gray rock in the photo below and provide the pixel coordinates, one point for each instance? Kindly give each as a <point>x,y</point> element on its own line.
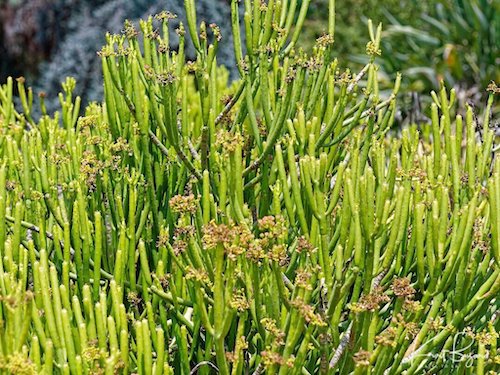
<point>76,55</point>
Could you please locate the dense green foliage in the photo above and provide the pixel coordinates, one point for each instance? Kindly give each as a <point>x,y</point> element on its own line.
<point>270,225</point>
<point>457,41</point>
<point>451,40</point>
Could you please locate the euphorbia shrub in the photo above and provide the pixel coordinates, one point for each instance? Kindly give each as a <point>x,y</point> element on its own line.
<point>272,225</point>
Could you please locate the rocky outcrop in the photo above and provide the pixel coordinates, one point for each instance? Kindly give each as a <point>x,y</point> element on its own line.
<point>50,40</point>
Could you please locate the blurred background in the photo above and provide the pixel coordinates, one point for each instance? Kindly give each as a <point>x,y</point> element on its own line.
<point>452,40</point>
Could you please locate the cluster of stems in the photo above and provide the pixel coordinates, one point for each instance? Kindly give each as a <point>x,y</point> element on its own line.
<point>272,225</point>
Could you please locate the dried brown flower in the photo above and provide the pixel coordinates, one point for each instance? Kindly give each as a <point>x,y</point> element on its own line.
<point>90,167</point>
<point>165,15</point>
<point>184,204</point>
<point>215,234</point>
<point>198,275</point>
<point>387,337</point>
<point>303,278</point>
<point>270,358</point>
<point>303,245</point>
<point>163,237</point>
<point>371,301</point>
<point>372,49</point>
<point>402,287</point>
<point>362,358</point>
<point>239,301</point>
<point>271,327</point>
<point>134,299</point>
<point>493,88</point>
<point>307,312</point>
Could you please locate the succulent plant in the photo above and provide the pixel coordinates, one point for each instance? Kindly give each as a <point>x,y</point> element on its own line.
<point>189,224</point>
